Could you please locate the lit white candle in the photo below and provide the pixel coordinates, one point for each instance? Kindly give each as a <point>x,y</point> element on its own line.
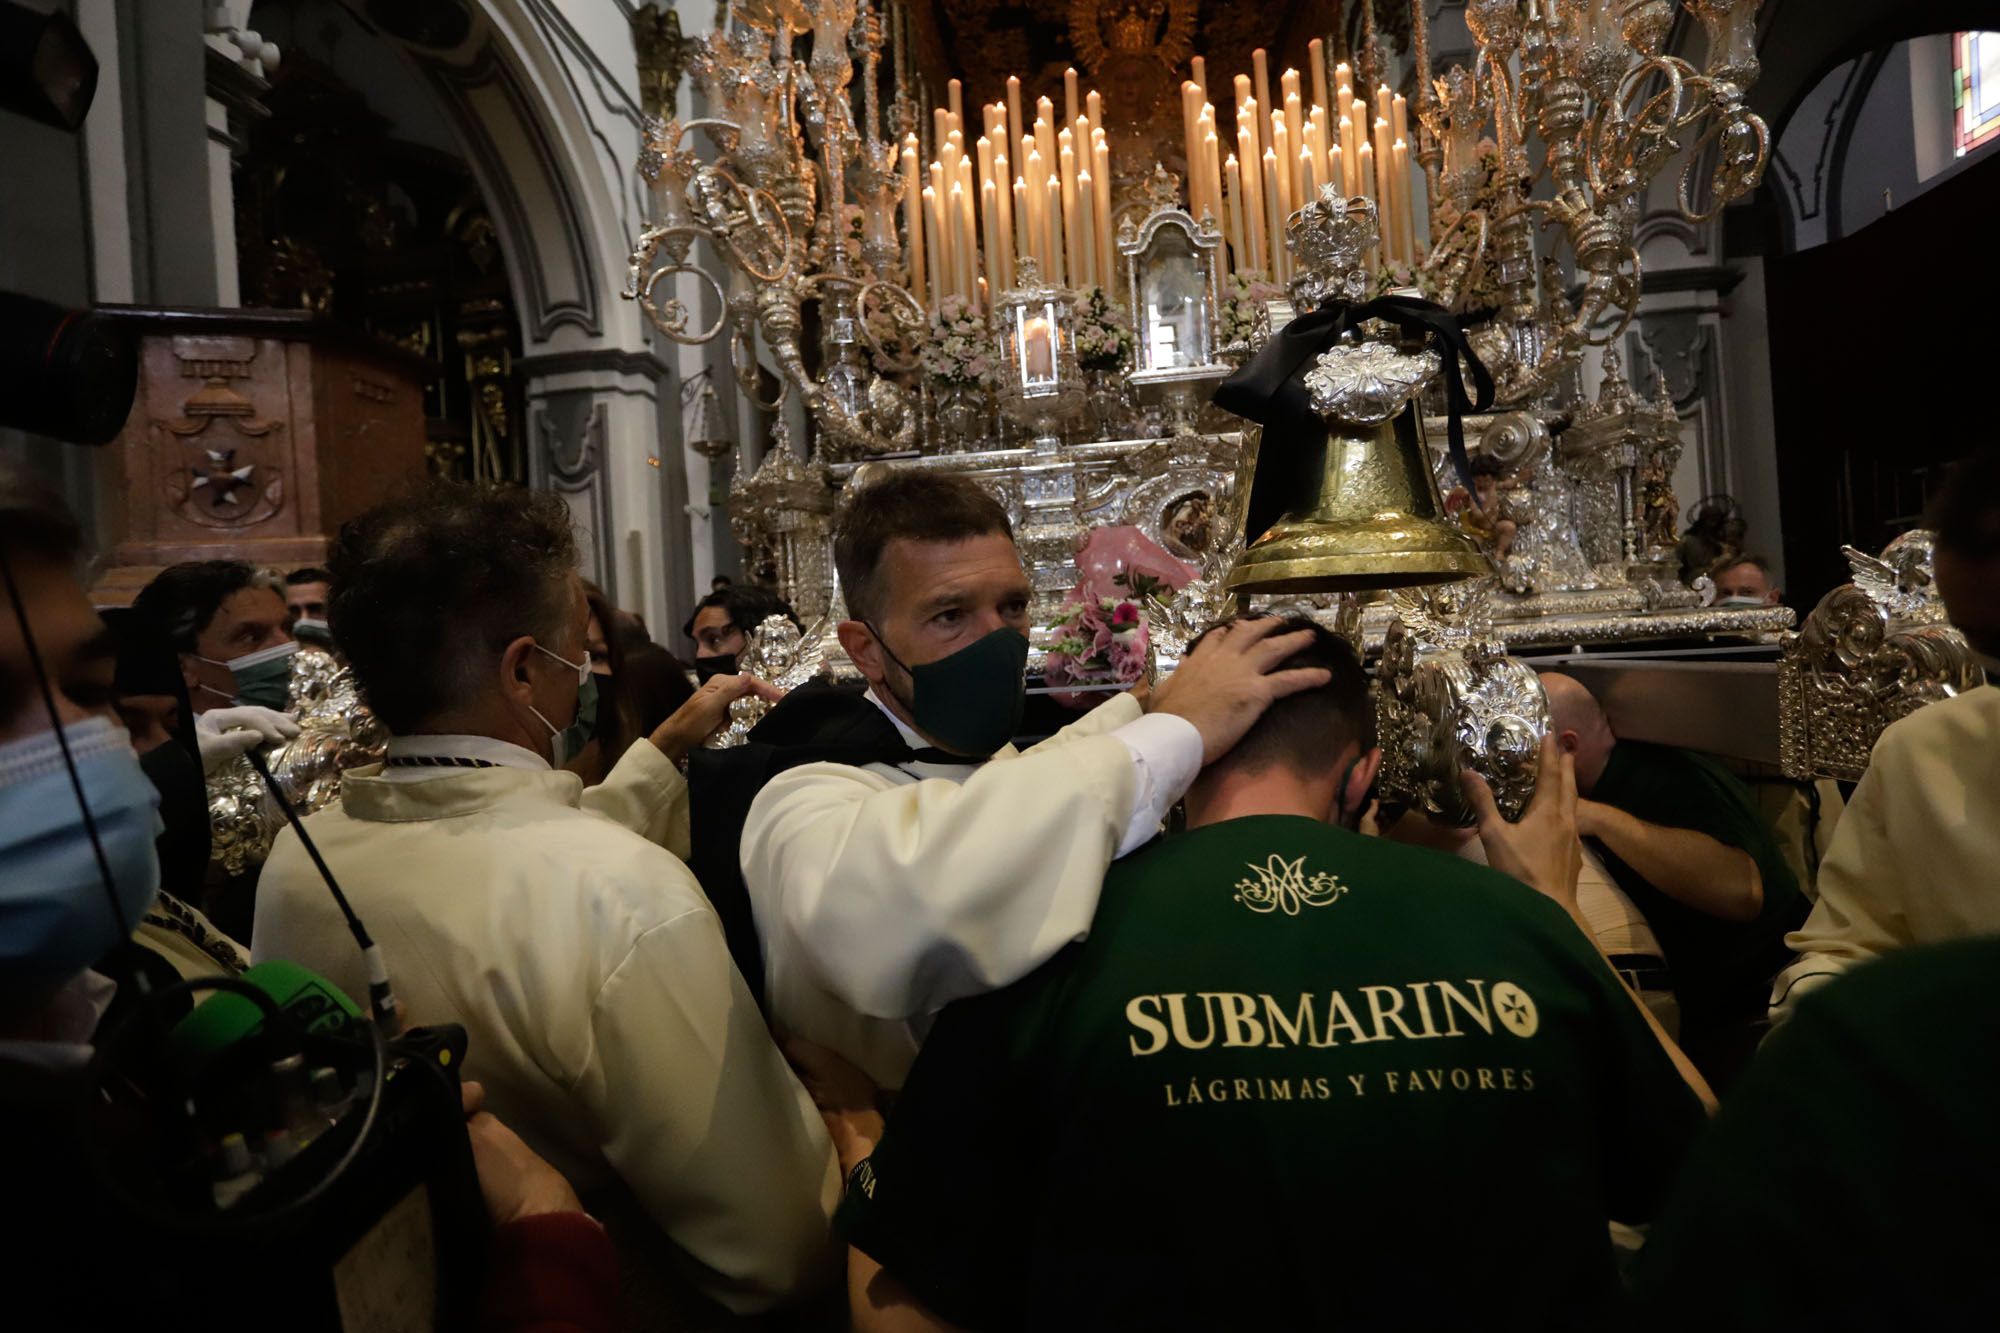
<point>1316,57</point>
<point>1066,173</point>
<point>1274,218</point>
<point>1003,178</point>
<point>1053,212</point>
<point>1260,78</point>
<point>1233,175</point>
<point>946,274</point>
<point>934,247</point>
<point>1253,200</point>
<point>989,216</point>
<point>913,218</point>
<point>1405,218</point>
<point>1024,219</point>
<point>961,243</point>
<point>1038,351</point>
<point>1385,192</point>
<point>1086,225</point>
<point>1014,127</point>
<point>1294,108</point>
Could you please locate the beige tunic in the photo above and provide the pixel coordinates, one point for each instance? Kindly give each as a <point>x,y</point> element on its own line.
<point>1916,856</point>
<point>605,1017</point>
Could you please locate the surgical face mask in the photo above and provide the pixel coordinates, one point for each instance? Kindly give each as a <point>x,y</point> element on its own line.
<point>722,664</point>
<point>1741,599</point>
<point>566,743</point>
<point>307,630</point>
<point>970,703</point>
<point>55,917</point>
<point>263,678</point>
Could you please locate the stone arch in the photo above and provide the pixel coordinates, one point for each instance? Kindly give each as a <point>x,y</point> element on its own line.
<point>541,98</point>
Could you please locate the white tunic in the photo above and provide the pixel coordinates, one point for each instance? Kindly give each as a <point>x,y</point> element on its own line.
<point>605,1018</point>
<point>881,894</point>
<point>1916,856</point>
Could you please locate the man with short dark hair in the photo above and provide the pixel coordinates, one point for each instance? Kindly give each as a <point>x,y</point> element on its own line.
<point>722,623</point>
<point>1914,857</point>
<point>1294,1078</point>
<point>1744,580</point>
<point>606,1022</point>
<point>919,872</point>
<point>1684,839</point>
<point>307,592</point>
<point>228,621</point>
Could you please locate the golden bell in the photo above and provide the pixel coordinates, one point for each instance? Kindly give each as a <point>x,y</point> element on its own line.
<point>1359,511</point>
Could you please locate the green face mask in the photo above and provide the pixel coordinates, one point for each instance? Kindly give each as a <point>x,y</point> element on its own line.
<point>970,702</point>
<point>263,678</point>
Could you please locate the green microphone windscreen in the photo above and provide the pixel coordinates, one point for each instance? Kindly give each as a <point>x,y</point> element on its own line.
<point>224,1019</point>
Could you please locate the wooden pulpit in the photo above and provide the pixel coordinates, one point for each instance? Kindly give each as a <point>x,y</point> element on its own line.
<point>254,435</point>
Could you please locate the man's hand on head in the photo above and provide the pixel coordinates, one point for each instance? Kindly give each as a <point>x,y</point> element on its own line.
<point>1542,850</point>
<point>705,712</point>
<point>1231,677</point>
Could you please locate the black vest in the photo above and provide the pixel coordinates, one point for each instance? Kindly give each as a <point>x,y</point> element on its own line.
<point>820,722</point>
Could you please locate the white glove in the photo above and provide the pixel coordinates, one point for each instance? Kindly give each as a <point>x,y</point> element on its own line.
<point>223,733</point>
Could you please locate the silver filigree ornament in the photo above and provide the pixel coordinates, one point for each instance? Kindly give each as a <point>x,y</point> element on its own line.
<point>1871,653</point>
<point>1367,383</point>
<point>1448,698</point>
<point>778,654</point>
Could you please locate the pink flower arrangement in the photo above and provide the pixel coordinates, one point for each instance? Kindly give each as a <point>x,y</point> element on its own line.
<point>1099,641</point>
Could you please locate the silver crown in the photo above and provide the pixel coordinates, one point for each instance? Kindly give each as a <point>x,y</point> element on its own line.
<point>1329,240</point>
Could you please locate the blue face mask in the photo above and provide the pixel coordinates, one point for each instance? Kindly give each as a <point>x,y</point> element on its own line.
<point>55,918</point>
<point>568,742</point>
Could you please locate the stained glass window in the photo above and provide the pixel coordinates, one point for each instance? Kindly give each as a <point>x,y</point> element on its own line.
<point>1975,89</point>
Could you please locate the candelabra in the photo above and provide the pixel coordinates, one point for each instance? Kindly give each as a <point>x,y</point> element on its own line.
<point>1588,78</point>
<point>793,227</point>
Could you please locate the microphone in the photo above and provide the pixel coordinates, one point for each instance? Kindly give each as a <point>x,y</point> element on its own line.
<point>381,998</point>
<point>307,1000</point>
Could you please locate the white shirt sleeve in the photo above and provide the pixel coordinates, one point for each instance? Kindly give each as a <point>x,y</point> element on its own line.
<point>1166,752</point>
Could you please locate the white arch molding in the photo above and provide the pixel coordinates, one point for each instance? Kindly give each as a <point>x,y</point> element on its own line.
<point>540,97</point>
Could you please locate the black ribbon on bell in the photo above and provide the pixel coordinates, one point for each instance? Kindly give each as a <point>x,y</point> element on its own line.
<point>1270,389</point>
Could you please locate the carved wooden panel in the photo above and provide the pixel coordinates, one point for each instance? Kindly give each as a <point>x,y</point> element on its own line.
<point>254,436</point>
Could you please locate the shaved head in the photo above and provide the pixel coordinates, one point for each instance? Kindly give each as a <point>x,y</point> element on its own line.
<point>1578,723</point>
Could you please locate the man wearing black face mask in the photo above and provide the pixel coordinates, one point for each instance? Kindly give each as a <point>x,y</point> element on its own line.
<point>919,873</point>
<point>722,622</point>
